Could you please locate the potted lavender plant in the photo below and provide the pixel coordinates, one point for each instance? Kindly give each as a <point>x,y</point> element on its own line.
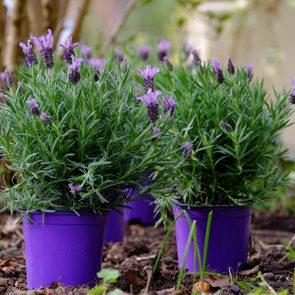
<point>228,128</point>
<point>142,207</point>
<point>77,139</point>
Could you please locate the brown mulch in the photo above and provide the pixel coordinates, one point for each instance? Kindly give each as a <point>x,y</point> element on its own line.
<point>135,256</point>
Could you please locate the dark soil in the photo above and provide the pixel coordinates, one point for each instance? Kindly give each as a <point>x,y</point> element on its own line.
<point>135,256</point>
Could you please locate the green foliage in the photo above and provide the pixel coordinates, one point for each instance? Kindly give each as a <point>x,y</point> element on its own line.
<point>232,163</point>
<point>109,276</point>
<point>97,136</point>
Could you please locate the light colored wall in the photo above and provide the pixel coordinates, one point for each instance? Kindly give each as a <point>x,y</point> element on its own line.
<point>259,32</point>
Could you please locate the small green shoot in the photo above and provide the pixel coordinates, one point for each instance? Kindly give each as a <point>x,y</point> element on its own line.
<point>109,276</point>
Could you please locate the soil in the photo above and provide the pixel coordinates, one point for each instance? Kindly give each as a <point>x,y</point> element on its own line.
<point>135,257</point>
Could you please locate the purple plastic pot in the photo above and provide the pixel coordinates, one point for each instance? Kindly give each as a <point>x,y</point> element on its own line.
<point>63,247</point>
<point>229,236</point>
<point>114,227</point>
<point>141,209</point>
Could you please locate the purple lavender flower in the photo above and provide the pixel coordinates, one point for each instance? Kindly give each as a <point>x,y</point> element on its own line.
<point>169,105</point>
<point>69,49</point>
<point>33,106</point>
<point>30,56</point>
<point>144,52</point>
<point>98,65</point>
<point>44,117</point>
<point>175,189</point>
<point>167,63</point>
<point>292,93</point>
<point>6,80</point>
<point>230,66</point>
<point>150,99</point>
<point>206,134</point>
<point>119,54</point>
<point>75,188</point>
<point>156,131</point>
<point>2,97</point>
<point>44,45</point>
<point>249,69</point>
<point>216,65</point>
<point>86,52</point>
<point>163,48</point>
<point>226,126</point>
<point>187,49</point>
<point>187,149</point>
<point>74,75</point>
<point>148,75</point>
<point>196,58</point>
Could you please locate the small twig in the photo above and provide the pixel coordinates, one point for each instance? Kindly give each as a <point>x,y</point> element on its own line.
<point>150,257</point>
<point>266,246</point>
<point>118,26</point>
<point>149,272</point>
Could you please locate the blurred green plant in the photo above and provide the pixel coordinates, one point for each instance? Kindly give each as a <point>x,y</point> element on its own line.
<point>108,276</point>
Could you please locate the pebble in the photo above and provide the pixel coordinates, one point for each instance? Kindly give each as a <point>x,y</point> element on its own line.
<point>235,289</point>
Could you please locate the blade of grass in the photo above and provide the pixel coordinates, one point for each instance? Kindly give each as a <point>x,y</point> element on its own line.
<point>182,270</point>
<point>167,236</point>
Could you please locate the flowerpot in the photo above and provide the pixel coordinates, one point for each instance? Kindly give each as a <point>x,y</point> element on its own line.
<point>141,209</point>
<point>228,240</point>
<point>63,247</point>
<point>114,227</point>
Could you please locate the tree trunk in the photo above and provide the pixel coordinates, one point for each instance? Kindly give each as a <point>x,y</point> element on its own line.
<point>13,36</point>
<point>2,32</point>
<point>62,12</point>
<point>50,13</point>
<point>82,10</point>
<point>36,20</point>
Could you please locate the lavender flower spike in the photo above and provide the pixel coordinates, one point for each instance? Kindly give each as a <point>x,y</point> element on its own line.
<point>75,188</point>
<point>150,99</point>
<point>196,58</point>
<point>187,149</point>
<point>86,51</point>
<point>168,64</point>
<point>97,64</point>
<point>292,93</point>
<point>30,57</point>
<point>230,66</point>
<point>144,52</point>
<point>163,48</point>
<point>74,75</point>
<point>119,54</point>
<point>44,117</point>
<point>169,105</point>
<point>156,131</point>
<point>69,49</point>
<point>249,69</point>
<point>148,75</point>
<point>44,45</point>
<point>226,126</point>
<point>33,106</point>
<point>6,79</point>
<point>216,65</point>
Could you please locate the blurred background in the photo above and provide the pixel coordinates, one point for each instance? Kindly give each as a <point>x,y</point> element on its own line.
<point>257,32</point>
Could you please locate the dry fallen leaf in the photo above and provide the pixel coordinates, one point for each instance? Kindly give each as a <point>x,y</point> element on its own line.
<point>133,279</point>
<point>217,282</point>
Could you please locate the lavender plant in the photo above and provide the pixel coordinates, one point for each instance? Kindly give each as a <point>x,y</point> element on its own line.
<point>78,139</point>
<point>228,128</point>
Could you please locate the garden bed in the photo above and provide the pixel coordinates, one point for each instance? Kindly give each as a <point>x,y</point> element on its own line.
<point>134,258</point>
